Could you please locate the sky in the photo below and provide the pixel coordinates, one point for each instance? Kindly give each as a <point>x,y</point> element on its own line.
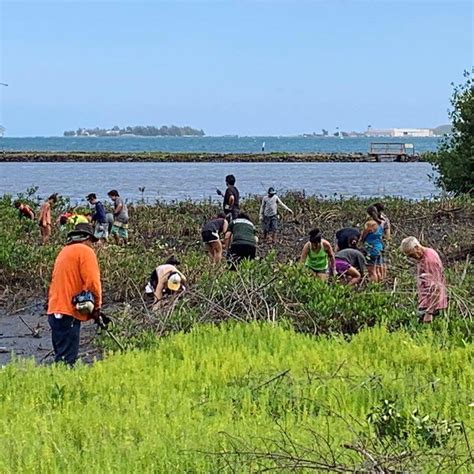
<point>230,67</point>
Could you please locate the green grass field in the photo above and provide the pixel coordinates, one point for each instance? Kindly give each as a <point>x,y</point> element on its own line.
<point>243,397</point>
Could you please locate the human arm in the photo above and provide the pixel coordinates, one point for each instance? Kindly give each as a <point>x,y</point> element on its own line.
<point>262,209</point>
<point>90,276</point>
<point>29,212</point>
<point>227,239</point>
<point>159,289</point>
<point>304,253</point>
<point>330,252</point>
<point>42,215</point>
<point>255,234</point>
<point>118,209</point>
<point>284,206</point>
<point>354,275</point>
<point>231,202</point>
<point>225,226</point>
<point>183,278</point>
<point>387,229</point>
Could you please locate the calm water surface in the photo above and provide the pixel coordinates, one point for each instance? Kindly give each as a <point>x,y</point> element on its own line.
<point>197,181</point>
<point>207,144</point>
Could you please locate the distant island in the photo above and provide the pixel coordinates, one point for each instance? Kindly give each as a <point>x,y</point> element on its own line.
<point>138,131</point>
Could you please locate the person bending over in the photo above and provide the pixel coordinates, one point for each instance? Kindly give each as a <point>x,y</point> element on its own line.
<point>211,234</point>
<point>165,280</point>
<point>241,239</point>
<point>318,255</point>
<point>347,237</point>
<point>430,282</point>
<point>24,210</point>
<point>350,265</point>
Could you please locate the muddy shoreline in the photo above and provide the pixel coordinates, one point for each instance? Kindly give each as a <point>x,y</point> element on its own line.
<point>25,333</point>
<point>161,157</point>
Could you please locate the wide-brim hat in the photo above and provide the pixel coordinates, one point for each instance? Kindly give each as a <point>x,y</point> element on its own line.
<point>81,233</point>
<point>174,282</point>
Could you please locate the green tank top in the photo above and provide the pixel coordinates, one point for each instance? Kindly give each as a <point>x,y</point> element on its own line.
<point>317,261</point>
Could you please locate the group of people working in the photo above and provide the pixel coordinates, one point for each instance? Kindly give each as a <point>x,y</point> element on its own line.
<point>105,223</point>
<point>75,293</point>
<point>233,231</point>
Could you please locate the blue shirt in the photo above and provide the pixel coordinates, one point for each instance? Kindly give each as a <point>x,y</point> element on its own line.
<point>373,242</point>
<point>99,214</point>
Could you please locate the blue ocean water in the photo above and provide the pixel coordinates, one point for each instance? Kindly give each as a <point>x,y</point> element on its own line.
<point>207,144</point>
<point>198,181</point>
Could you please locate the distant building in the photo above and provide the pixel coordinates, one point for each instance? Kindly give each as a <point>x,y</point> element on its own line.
<point>400,132</point>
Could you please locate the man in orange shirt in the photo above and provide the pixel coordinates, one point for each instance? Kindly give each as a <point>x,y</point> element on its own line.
<point>45,217</point>
<point>76,270</point>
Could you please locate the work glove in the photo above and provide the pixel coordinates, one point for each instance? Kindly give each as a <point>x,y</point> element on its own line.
<point>100,318</point>
<point>103,321</point>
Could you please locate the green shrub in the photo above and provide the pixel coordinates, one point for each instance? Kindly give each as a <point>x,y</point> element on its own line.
<point>454,159</point>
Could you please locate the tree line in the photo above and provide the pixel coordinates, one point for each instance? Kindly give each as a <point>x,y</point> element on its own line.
<point>139,130</point>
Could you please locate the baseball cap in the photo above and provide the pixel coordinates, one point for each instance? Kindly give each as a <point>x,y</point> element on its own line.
<point>174,282</point>
<point>81,233</point>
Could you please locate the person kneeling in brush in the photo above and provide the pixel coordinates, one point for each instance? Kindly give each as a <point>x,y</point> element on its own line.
<point>75,292</point>
<point>165,280</point>
<point>431,285</point>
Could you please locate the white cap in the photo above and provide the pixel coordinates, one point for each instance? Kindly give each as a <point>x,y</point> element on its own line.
<point>174,282</point>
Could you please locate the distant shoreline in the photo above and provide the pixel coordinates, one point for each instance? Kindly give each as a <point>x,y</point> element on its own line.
<point>192,157</point>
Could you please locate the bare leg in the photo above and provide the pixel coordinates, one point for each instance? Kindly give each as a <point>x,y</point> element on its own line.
<point>45,234</point>
<point>322,276</point>
<point>427,318</point>
<point>209,251</point>
<point>372,271</point>
<point>380,272</point>
<point>217,251</point>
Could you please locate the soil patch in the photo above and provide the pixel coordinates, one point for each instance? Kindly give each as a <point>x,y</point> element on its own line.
<point>25,333</point>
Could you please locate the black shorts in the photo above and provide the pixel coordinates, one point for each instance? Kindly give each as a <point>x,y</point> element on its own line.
<point>208,236</point>
<point>270,224</point>
<point>239,252</point>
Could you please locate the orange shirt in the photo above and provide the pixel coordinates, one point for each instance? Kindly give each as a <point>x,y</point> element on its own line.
<point>76,269</point>
<point>45,214</point>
